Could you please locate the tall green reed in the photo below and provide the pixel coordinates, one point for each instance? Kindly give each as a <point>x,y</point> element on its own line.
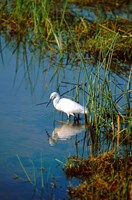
<point>40,12</point>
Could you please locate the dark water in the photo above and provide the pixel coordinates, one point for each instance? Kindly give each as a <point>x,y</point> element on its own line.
<point>23,132</point>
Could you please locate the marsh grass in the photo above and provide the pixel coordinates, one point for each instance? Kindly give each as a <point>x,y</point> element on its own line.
<point>109,125</point>
<point>104,177</point>
<point>48,23</point>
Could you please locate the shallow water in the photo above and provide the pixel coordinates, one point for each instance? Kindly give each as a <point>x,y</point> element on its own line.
<point>23,132</point>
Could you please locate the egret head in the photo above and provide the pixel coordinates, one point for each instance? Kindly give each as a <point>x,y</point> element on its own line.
<point>53,96</point>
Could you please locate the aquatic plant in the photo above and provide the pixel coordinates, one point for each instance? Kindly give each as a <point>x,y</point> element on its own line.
<point>30,174</point>
<point>45,22</point>
<point>104,177</point>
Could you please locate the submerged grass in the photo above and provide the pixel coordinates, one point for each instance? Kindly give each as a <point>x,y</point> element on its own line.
<point>24,169</point>
<point>33,172</point>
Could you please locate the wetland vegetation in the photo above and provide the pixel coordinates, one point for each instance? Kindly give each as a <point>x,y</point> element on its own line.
<point>100,49</point>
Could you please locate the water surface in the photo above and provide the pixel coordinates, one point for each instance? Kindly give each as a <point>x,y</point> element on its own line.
<point>27,130</point>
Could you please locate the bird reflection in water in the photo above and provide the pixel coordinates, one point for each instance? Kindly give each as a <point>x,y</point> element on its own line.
<point>65,131</point>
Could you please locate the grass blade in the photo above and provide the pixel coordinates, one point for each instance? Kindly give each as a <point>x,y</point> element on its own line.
<point>24,169</point>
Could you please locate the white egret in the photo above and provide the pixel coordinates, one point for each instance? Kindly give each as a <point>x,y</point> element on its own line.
<point>66,105</point>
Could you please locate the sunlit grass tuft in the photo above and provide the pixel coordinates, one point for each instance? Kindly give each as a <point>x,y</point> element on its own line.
<point>103,177</point>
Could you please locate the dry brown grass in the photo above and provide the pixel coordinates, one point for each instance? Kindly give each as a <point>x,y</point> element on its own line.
<point>104,177</point>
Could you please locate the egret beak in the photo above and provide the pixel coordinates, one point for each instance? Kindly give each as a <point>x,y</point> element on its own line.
<point>48,103</point>
<point>41,103</point>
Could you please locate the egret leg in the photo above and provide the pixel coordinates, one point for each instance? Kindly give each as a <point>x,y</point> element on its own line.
<point>76,118</point>
<point>69,116</point>
<point>86,121</point>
